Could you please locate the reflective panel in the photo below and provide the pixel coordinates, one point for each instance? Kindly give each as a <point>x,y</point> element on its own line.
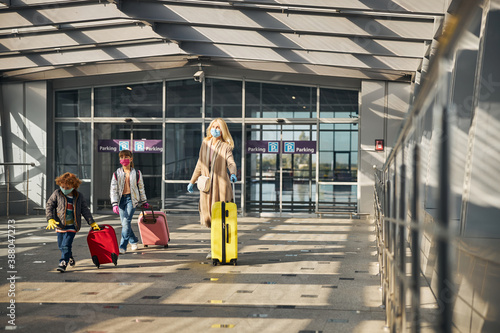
<point>264,100</point>
<point>134,100</point>
<point>73,103</point>
<point>223,98</point>
<point>340,198</point>
<point>338,152</point>
<point>184,99</point>
<point>181,155</point>
<point>335,103</point>
<point>72,146</point>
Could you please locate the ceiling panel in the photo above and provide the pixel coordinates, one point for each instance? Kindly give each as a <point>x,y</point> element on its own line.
<point>356,38</point>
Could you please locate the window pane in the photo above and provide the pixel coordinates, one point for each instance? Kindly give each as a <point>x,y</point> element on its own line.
<point>264,100</point>
<point>342,141</point>
<point>184,99</point>
<point>181,155</point>
<point>337,197</point>
<point>223,98</point>
<point>137,100</point>
<point>326,140</point>
<point>73,103</point>
<point>72,148</point>
<point>336,103</point>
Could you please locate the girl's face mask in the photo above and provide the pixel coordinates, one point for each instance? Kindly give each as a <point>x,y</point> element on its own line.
<point>215,132</point>
<point>66,191</point>
<point>125,162</point>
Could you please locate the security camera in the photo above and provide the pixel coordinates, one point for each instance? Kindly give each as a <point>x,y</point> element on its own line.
<point>199,76</point>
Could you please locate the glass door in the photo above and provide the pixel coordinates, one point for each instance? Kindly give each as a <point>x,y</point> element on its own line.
<point>280,177</point>
<point>140,138</point>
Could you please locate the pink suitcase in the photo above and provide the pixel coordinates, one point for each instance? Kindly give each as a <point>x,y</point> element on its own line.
<point>153,228</point>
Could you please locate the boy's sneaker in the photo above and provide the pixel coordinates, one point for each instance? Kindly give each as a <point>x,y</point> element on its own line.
<point>133,247</point>
<point>209,255</point>
<point>122,251</point>
<point>71,262</point>
<point>62,266</point>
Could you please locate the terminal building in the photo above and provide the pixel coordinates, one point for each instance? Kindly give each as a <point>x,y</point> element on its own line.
<point>381,110</point>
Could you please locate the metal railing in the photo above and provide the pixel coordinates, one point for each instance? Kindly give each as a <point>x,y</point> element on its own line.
<point>8,185</point>
<point>400,228</point>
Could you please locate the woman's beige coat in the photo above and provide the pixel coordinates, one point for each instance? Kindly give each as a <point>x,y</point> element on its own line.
<point>221,186</point>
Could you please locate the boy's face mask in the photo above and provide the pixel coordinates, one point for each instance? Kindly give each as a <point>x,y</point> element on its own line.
<point>66,192</point>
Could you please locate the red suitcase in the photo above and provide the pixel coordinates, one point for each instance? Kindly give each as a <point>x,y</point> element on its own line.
<point>153,228</point>
<point>103,245</point>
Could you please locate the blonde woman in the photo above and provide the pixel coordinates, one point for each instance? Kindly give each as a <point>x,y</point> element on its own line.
<point>217,152</point>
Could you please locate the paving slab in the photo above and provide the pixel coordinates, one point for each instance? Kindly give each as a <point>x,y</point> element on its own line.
<point>292,275</point>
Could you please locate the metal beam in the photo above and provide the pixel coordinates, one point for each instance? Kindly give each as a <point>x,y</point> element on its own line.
<point>77,38</point>
<point>327,43</point>
<point>424,7</point>
<point>89,56</point>
<point>281,22</point>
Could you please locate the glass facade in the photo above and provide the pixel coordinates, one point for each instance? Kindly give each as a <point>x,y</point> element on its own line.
<point>176,113</point>
<point>133,100</point>
<point>264,100</point>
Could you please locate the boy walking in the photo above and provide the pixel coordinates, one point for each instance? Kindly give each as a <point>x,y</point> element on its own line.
<point>64,211</point>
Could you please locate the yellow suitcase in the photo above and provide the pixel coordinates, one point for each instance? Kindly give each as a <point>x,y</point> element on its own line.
<point>224,233</point>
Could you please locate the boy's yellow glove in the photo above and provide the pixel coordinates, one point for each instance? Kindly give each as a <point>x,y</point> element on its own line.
<point>52,224</point>
<point>94,226</point>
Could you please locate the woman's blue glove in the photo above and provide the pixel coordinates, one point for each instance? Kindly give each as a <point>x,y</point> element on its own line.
<point>190,188</point>
<point>233,178</point>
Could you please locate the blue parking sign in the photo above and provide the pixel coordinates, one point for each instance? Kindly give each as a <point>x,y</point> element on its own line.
<point>289,147</point>
<point>273,147</point>
<point>139,146</point>
<point>124,145</point>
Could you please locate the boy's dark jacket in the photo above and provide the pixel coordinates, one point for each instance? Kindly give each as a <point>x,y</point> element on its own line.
<point>56,209</point>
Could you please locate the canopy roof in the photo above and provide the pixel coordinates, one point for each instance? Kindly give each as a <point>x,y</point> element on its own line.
<point>387,40</point>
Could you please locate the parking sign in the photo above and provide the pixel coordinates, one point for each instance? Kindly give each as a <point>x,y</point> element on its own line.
<point>289,147</point>
<point>273,147</point>
<point>139,146</point>
<point>124,145</point>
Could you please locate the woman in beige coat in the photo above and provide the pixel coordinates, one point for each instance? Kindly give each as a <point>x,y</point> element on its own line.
<point>218,143</point>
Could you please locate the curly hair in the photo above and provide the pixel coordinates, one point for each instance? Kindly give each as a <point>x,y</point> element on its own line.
<point>68,179</point>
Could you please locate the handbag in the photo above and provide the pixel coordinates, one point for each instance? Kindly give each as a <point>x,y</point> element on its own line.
<point>203,183</point>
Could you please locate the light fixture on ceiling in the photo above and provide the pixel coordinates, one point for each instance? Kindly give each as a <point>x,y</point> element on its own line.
<point>129,88</point>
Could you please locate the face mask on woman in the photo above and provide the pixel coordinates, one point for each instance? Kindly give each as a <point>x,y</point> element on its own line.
<point>66,192</point>
<point>215,132</point>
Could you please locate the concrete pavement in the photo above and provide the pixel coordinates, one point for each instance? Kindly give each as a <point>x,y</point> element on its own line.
<point>293,275</point>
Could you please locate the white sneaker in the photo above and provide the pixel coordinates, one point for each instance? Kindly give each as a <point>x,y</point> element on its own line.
<point>122,251</point>
<point>133,247</point>
<point>209,255</point>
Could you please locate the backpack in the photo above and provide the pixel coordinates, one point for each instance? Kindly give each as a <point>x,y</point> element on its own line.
<point>137,175</point>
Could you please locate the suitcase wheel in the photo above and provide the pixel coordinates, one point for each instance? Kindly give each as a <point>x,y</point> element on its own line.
<point>166,246</point>
<point>95,260</point>
<point>214,262</point>
<point>145,245</point>
<point>114,258</point>
<point>233,261</point>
